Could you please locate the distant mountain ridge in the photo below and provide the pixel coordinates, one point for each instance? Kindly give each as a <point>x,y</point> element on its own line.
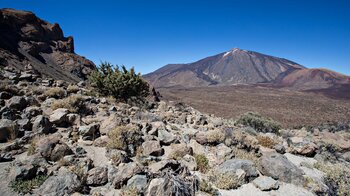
<point>239,66</point>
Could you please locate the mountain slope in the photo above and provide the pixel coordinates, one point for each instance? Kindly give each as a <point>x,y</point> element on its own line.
<point>28,40</point>
<point>233,67</point>
<point>307,79</point>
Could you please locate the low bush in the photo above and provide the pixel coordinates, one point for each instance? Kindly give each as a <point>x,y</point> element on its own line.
<point>266,141</point>
<point>225,181</point>
<point>202,162</point>
<point>121,84</point>
<point>72,89</point>
<point>126,138</point>
<point>337,177</point>
<point>26,186</point>
<point>259,122</point>
<point>215,136</point>
<point>74,103</point>
<point>56,93</point>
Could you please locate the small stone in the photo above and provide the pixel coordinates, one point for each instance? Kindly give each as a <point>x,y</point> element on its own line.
<point>265,183</point>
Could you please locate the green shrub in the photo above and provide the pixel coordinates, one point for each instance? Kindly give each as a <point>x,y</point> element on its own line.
<point>337,177</point>
<point>26,186</point>
<point>259,122</point>
<point>121,84</point>
<point>202,162</point>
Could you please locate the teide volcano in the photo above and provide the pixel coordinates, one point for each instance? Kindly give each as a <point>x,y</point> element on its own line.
<point>246,67</point>
<point>232,67</point>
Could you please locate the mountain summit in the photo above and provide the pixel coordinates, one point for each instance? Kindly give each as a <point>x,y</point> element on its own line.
<point>235,66</point>
<point>238,66</point>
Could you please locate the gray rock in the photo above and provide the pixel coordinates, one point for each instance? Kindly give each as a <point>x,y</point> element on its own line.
<point>23,171</point>
<point>117,156</point>
<point>53,148</point>
<point>165,137</point>
<point>139,182</point>
<point>24,124</point>
<point>152,148</point>
<point>31,112</point>
<point>5,95</point>
<point>126,172</point>
<point>171,185</point>
<point>231,166</point>
<point>64,183</point>
<point>97,176</point>
<point>91,130</point>
<point>302,146</point>
<point>59,117</point>
<point>346,156</point>
<point>8,130</point>
<point>280,168</point>
<point>265,183</point>
<point>42,125</point>
<point>17,102</point>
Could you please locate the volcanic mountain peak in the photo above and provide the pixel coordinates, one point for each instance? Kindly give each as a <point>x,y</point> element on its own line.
<point>235,66</point>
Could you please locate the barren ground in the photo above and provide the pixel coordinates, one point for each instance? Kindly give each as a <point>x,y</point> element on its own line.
<point>290,108</point>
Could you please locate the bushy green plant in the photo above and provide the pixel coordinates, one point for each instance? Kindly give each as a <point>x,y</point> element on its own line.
<point>121,84</point>
<point>337,177</point>
<point>259,122</point>
<point>202,162</point>
<point>26,186</point>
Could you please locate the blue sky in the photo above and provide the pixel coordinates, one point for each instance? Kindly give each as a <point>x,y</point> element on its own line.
<point>148,34</point>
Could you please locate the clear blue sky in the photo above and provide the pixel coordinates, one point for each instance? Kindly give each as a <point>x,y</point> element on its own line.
<point>148,34</point>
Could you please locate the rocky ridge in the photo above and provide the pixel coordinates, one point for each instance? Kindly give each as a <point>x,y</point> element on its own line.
<point>28,41</point>
<point>69,141</point>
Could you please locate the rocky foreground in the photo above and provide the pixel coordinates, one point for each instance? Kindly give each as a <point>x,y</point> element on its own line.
<point>61,139</point>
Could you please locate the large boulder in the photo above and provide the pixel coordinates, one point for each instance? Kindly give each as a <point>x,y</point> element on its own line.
<point>171,185</point>
<point>231,166</point>
<point>90,131</point>
<point>139,182</point>
<point>97,176</point>
<point>53,149</point>
<point>8,130</point>
<point>17,103</point>
<point>42,125</point>
<point>280,168</point>
<point>126,172</point>
<point>59,117</point>
<point>152,148</point>
<point>64,183</point>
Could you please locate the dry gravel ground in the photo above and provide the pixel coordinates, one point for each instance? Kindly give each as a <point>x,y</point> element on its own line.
<point>290,108</point>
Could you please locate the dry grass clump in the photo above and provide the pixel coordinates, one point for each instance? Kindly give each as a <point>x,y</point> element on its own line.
<point>26,186</point>
<point>4,87</point>
<point>202,162</point>
<point>72,89</point>
<point>207,187</point>
<point>129,191</point>
<point>74,103</point>
<point>266,141</point>
<point>124,138</point>
<point>33,145</point>
<point>337,177</point>
<point>243,154</point>
<point>56,92</point>
<point>215,136</point>
<point>225,181</point>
